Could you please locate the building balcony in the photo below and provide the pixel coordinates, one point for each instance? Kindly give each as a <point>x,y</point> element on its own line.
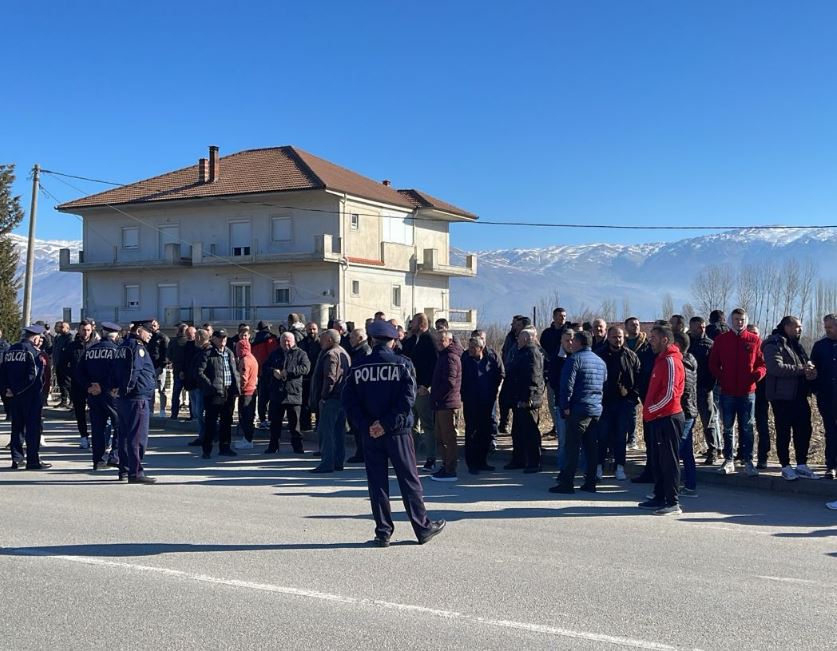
<point>175,255</point>
<point>327,248</point>
<point>432,265</point>
<point>459,319</point>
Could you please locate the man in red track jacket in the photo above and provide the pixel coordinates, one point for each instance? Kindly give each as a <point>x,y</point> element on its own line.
<point>664,421</point>
<point>737,362</point>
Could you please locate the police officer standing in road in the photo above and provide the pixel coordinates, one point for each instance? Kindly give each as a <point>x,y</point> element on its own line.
<point>134,383</point>
<point>95,374</point>
<point>378,399</point>
<point>21,380</point>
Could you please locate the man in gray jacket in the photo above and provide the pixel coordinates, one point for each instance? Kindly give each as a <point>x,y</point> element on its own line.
<point>327,382</point>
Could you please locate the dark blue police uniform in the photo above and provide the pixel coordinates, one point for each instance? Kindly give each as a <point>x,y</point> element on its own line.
<point>135,381</point>
<point>22,375</point>
<point>97,367</point>
<point>381,388</point>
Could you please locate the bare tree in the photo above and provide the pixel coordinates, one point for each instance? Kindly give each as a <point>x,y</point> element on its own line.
<point>608,310</point>
<point>688,311</point>
<point>667,306</point>
<point>626,308</point>
<point>712,288</point>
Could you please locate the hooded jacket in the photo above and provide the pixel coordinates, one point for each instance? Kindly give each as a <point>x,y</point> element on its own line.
<point>665,389</point>
<point>689,399</point>
<point>264,343</point>
<point>785,360</point>
<point>248,367</point>
<point>445,390</point>
<point>737,362</point>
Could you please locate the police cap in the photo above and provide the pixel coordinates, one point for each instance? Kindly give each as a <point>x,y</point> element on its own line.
<point>382,330</point>
<point>143,323</point>
<point>109,326</point>
<point>34,329</point>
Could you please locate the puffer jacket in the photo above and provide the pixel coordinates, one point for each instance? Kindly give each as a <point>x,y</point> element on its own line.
<point>688,401</point>
<point>785,360</point>
<point>582,384</point>
<point>700,348</point>
<point>210,374</point>
<point>446,388</point>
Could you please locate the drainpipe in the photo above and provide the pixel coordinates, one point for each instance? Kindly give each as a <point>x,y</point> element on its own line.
<point>344,263</point>
<point>415,264</point>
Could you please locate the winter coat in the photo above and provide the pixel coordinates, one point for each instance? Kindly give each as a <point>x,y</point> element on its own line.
<point>287,391</point>
<point>688,400</point>
<point>785,360</point>
<point>329,376</point>
<point>737,362</point>
<point>72,358</point>
<point>157,349</point>
<point>481,378</point>
<point>445,389</point>
<point>665,389</point>
<point>422,352</point>
<point>715,329</point>
<point>582,384</point>
<point>175,352</point>
<point>59,346</point>
<point>209,373</point>
<point>551,341</point>
<point>524,377</point>
<point>191,353</point>
<point>311,346</point>
<point>824,357</point>
<point>556,365</point>
<point>360,351</point>
<point>248,368</point>
<point>263,345</point>
<point>700,349</point>
<point>623,369</point>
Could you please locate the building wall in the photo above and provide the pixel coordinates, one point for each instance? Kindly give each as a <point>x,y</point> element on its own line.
<point>376,290</point>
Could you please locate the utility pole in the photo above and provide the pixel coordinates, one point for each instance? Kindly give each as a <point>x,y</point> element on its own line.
<point>30,250</point>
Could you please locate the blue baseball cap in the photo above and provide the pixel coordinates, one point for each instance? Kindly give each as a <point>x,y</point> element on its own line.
<point>382,330</point>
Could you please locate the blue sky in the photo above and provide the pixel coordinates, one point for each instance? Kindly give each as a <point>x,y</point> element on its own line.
<point>654,112</point>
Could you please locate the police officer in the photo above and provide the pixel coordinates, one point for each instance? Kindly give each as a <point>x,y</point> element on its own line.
<point>378,399</point>
<point>94,374</point>
<point>22,380</point>
<point>134,383</point>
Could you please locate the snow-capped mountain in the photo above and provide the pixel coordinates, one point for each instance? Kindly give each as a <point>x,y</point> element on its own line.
<point>511,281</point>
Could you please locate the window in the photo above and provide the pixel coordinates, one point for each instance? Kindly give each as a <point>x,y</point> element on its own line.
<point>355,288</point>
<point>130,237</point>
<point>240,238</point>
<point>397,228</point>
<point>396,295</point>
<point>355,221</point>
<point>281,292</point>
<point>132,297</point>
<point>168,235</point>
<point>281,229</point>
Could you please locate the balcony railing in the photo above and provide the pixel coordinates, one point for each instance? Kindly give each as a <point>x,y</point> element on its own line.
<point>459,319</point>
<point>432,264</point>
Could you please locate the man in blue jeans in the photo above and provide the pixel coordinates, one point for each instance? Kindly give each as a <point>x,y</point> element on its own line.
<point>556,365</point>
<point>737,362</point>
<point>327,382</point>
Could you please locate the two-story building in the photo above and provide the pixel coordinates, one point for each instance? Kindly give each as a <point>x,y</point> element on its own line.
<point>259,234</point>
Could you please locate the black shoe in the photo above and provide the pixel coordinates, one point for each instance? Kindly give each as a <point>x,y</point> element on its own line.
<point>206,455</point>
<point>531,470</point>
<point>710,459</point>
<point>435,528</point>
<point>320,469</point>
<point>642,479</point>
<point>97,465</point>
<point>113,463</point>
<point>173,417</point>
<point>122,476</point>
<point>41,466</point>
<point>297,447</point>
<point>563,490</point>
<point>487,468</point>
<point>317,454</point>
<point>195,442</point>
<point>338,468</point>
<point>380,542</point>
<point>355,459</point>
<point>473,471</point>
<point>761,465</point>
<point>830,473</point>
<point>588,489</point>
<point>227,452</point>
<point>651,505</point>
<point>514,466</point>
<point>145,479</point>
<point>270,451</point>
<point>18,465</point>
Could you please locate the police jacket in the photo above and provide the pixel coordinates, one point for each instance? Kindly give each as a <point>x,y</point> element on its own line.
<point>582,383</point>
<point>481,378</point>
<point>287,391</point>
<point>447,378</point>
<point>329,376</point>
<point>97,366</point>
<point>700,349</point>
<point>785,360</point>
<point>209,373</point>
<point>158,348</point>
<point>22,369</point>
<point>623,369</point>
<point>824,357</point>
<point>422,352</point>
<point>688,400</point>
<point>525,377</point>
<point>381,387</point>
<point>134,376</point>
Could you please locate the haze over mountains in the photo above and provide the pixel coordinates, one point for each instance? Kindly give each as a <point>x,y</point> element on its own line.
<point>511,281</point>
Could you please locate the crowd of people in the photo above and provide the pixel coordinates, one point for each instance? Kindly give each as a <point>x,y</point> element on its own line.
<point>596,380</point>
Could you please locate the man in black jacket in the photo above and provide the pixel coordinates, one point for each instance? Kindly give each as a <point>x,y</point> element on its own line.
<point>158,350</point>
<point>525,378</point>
<point>700,345</point>
<point>619,400</point>
<point>311,345</point>
<point>71,360</point>
<point>551,344</point>
<point>421,350</point>
<point>217,376</point>
<point>482,374</point>
<point>824,359</point>
<point>508,351</point>
<point>60,344</point>
<point>285,368</point>
<point>175,355</point>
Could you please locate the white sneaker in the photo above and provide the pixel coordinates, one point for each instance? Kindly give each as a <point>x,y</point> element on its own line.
<point>43,442</point>
<point>243,444</point>
<point>831,505</point>
<point>804,472</point>
<point>789,473</point>
<point>728,468</point>
<point>620,473</point>
<point>84,443</point>
<point>599,472</point>
<point>750,470</point>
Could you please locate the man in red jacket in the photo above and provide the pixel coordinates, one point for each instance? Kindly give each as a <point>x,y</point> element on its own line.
<point>664,421</point>
<point>737,362</point>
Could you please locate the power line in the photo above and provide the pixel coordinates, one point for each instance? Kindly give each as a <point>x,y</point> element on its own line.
<point>482,222</point>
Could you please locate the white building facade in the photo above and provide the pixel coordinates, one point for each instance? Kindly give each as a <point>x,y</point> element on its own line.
<point>241,241</point>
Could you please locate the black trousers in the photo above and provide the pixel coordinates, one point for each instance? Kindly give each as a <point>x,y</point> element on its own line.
<point>102,410</point>
<point>218,423</point>
<point>263,392</point>
<point>63,380</point>
<point>526,437</point>
<point>79,398</point>
<point>792,415</point>
<point>762,428</point>
<point>581,430</point>
<point>479,430</point>
<point>305,410</point>
<point>278,412</point>
<point>664,436</point>
<point>246,414</point>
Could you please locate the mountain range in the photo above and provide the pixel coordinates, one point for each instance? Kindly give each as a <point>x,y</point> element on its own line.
<point>511,281</point>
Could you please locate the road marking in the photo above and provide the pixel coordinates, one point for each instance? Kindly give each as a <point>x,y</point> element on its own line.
<point>791,579</point>
<point>356,601</point>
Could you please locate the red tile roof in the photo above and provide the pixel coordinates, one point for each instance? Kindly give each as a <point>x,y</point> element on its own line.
<point>276,169</point>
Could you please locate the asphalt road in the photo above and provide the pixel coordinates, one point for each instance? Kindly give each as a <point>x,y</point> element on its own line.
<point>258,553</point>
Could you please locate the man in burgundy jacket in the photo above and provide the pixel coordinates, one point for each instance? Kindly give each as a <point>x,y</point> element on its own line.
<point>737,362</point>
<point>664,421</point>
<point>446,398</point>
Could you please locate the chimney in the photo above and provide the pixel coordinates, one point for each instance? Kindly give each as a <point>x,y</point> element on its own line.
<point>387,182</point>
<point>214,164</point>
<point>203,170</point>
